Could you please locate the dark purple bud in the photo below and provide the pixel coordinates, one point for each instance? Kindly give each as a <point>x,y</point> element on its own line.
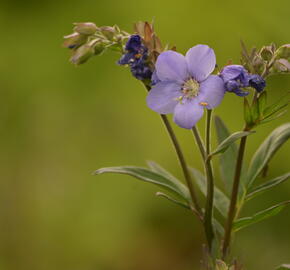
<point>257,82</point>
<point>134,44</point>
<point>136,57</point>
<point>141,72</point>
<point>127,59</point>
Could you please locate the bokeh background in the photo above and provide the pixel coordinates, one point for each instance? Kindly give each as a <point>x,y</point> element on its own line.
<point>58,123</point>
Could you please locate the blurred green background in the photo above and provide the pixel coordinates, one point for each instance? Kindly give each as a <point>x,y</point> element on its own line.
<point>59,123</point>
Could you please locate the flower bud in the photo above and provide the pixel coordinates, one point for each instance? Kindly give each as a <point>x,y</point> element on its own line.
<point>284,52</point>
<point>99,48</point>
<point>281,66</point>
<point>74,40</point>
<point>108,31</point>
<point>258,64</point>
<point>82,54</point>
<point>266,53</point>
<point>86,28</point>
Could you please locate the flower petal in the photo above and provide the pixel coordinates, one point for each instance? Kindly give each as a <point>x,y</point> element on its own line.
<point>211,91</point>
<point>171,66</point>
<point>162,97</point>
<point>232,72</point>
<point>187,113</point>
<point>201,61</point>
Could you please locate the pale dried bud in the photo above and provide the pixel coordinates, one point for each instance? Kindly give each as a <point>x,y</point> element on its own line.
<point>284,52</point>
<point>108,31</point>
<point>99,48</point>
<point>258,64</point>
<point>74,40</point>
<point>267,53</point>
<point>282,66</point>
<point>86,28</point>
<point>82,54</point>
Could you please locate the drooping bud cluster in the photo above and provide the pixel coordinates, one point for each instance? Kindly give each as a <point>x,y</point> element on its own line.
<point>269,60</point>
<point>89,40</point>
<point>136,57</point>
<point>236,77</point>
<point>141,52</point>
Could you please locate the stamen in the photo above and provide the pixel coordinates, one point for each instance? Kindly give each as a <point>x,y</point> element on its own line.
<point>203,103</point>
<point>190,89</point>
<point>179,99</point>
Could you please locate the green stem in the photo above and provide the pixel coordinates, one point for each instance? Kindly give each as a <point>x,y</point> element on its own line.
<point>210,184</point>
<point>205,151</point>
<point>183,164</point>
<point>199,142</point>
<point>197,209</point>
<point>235,189</point>
<point>234,197</point>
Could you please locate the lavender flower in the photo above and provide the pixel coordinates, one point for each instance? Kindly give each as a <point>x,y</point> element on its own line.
<point>136,57</point>
<point>236,77</point>
<point>184,85</point>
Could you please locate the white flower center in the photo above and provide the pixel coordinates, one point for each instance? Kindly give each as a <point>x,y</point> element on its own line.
<point>190,88</point>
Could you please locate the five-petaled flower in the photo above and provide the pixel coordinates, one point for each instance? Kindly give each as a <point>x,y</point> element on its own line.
<point>185,86</point>
<point>236,77</point>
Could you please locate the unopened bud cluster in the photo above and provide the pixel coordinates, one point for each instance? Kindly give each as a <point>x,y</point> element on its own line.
<point>269,60</point>
<point>89,40</point>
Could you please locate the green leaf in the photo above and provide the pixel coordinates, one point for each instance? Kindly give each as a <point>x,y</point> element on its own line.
<point>166,196</point>
<point>266,151</point>
<point>267,185</point>
<point>155,167</point>
<point>218,227</point>
<point>262,102</point>
<point>228,159</point>
<point>270,212</point>
<point>283,267</point>
<point>255,113</point>
<point>149,176</point>
<point>223,146</point>
<point>221,201</point>
<point>274,117</point>
<point>277,106</point>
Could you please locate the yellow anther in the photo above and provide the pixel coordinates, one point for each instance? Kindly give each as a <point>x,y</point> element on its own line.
<point>203,103</point>
<point>179,99</point>
<point>138,55</point>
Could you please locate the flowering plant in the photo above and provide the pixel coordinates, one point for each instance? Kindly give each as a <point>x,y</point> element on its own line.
<point>188,86</point>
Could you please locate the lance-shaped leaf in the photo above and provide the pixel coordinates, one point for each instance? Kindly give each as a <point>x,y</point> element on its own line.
<point>218,227</point>
<point>227,161</point>
<point>221,201</point>
<point>277,106</point>
<point>267,186</point>
<point>149,176</point>
<point>169,198</point>
<point>272,118</point>
<point>155,167</point>
<point>270,212</point>
<point>266,151</point>
<point>283,267</point>
<point>225,144</point>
